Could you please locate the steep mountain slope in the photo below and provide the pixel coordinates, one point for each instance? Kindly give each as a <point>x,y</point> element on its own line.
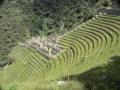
<point>87,46</point>
<point>14,26</point>
<point>19,19</point>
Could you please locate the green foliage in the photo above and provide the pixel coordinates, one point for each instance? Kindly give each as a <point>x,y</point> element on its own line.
<point>105,77</point>
<point>14,27</point>
<point>20,19</point>
<point>58,15</point>
<point>46,85</point>
<point>13,87</point>
<point>104,3</point>
<point>97,38</point>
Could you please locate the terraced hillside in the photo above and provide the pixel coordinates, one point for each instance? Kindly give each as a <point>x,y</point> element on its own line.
<point>87,46</point>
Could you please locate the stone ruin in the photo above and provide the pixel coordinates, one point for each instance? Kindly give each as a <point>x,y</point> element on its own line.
<point>45,45</point>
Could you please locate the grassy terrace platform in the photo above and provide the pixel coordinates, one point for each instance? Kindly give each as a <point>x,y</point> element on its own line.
<point>87,46</point>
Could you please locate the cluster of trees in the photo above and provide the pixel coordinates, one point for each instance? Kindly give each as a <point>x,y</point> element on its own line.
<point>60,15</point>
<point>20,19</point>
<point>13,28</point>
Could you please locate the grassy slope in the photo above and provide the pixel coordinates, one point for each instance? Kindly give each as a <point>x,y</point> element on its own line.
<point>21,18</point>
<point>30,64</point>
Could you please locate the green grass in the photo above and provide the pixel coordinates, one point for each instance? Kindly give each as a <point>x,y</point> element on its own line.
<point>89,45</point>
<point>45,85</point>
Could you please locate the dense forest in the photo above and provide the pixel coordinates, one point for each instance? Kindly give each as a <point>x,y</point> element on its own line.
<point>21,20</point>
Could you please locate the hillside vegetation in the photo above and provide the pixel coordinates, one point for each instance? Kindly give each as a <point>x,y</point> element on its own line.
<point>59,45</point>
<point>21,19</point>
<point>87,46</point>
